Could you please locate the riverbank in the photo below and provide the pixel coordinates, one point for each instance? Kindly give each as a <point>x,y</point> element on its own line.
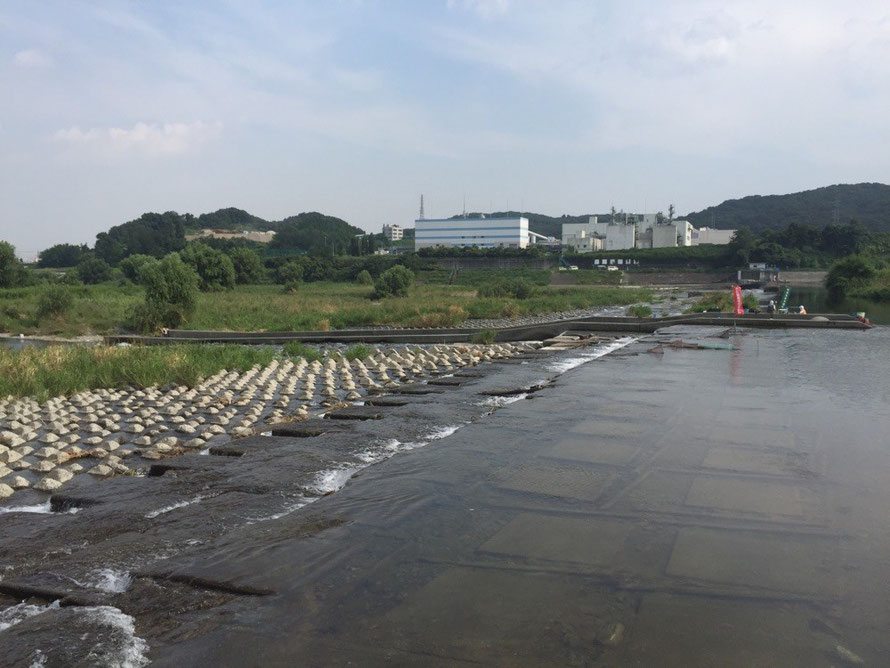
<point>312,306</point>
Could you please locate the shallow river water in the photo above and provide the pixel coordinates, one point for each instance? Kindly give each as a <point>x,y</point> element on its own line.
<point>674,508</point>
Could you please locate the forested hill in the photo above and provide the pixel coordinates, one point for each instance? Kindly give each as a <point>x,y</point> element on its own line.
<point>869,203</point>
<point>228,219</point>
<point>160,233</point>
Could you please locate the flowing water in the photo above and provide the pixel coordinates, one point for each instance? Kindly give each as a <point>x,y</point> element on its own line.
<point>675,507</point>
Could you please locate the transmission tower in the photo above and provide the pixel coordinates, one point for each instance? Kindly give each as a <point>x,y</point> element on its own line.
<point>421,208</point>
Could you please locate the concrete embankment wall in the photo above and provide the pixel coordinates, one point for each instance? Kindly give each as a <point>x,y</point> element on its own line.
<point>595,324</point>
<point>717,278</point>
<point>808,278</point>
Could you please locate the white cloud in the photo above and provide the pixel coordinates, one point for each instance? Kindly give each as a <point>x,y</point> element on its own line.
<point>144,138</point>
<point>32,58</point>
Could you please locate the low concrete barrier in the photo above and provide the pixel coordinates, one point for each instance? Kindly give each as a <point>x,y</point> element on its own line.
<point>602,324</point>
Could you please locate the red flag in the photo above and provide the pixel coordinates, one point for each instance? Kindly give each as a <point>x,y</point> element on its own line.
<point>737,300</point>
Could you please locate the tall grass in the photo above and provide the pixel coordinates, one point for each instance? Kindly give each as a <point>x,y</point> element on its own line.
<point>61,370</point>
<point>316,306</point>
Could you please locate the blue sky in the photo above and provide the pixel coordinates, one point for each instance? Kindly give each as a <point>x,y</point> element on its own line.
<point>354,108</point>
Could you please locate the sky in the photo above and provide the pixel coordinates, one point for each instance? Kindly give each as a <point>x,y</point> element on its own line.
<point>357,107</point>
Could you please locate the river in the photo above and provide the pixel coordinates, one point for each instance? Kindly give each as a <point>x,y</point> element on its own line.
<point>682,507</point>
<point>816,301</point>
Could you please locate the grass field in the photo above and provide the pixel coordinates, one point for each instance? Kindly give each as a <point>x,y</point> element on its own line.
<point>100,309</point>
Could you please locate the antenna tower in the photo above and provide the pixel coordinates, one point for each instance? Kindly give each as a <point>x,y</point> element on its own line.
<point>421,208</point>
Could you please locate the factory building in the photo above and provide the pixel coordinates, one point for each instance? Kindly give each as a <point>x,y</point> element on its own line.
<point>642,230</point>
<point>709,235</point>
<point>393,232</point>
<point>478,232</point>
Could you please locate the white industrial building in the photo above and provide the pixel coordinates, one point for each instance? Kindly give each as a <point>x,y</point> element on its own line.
<point>393,232</point>
<point>709,235</point>
<point>478,232</point>
<point>640,230</point>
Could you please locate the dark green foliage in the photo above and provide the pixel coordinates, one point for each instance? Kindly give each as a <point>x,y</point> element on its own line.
<point>866,202</point>
<point>62,255</point>
<point>486,337</point>
<point>850,273</point>
<point>314,232</point>
<point>132,265</point>
<point>227,219</point>
<point>92,270</point>
<point>54,301</point>
<point>151,234</point>
<point>290,272</point>
<point>248,266</point>
<point>171,294</point>
<point>394,282</point>
<point>740,247</point>
<point>516,288</point>
<point>12,274</point>
<point>215,268</point>
<point>364,278</point>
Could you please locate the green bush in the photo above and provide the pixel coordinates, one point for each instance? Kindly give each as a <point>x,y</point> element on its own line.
<point>215,268</point>
<point>248,266</point>
<point>486,337</point>
<point>394,282</point>
<point>92,270</point>
<point>854,271</point>
<point>299,349</point>
<point>364,278</point>
<point>291,272</point>
<point>171,294</point>
<point>54,301</point>
<point>640,311</point>
<point>131,265</point>
<point>518,288</point>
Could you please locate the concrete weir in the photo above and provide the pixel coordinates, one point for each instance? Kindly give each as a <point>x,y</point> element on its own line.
<point>595,324</point>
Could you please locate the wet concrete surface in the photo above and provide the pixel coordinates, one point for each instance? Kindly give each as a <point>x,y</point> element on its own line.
<point>696,507</point>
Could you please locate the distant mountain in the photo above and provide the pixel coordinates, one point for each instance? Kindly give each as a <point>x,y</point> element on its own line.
<point>869,203</point>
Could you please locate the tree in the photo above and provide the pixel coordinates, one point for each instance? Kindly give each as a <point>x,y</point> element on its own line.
<point>11,270</point>
<point>739,247</point>
<point>62,255</point>
<point>248,266</point>
<point>133,264</point>
<point>215,268</point>
<point>290,272</point>
<point>851,272</point>
<point>153,234</point>
<point>395,282</point>
<point>671,212</point>
<point>92,270</point>
<point>171,295</point>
